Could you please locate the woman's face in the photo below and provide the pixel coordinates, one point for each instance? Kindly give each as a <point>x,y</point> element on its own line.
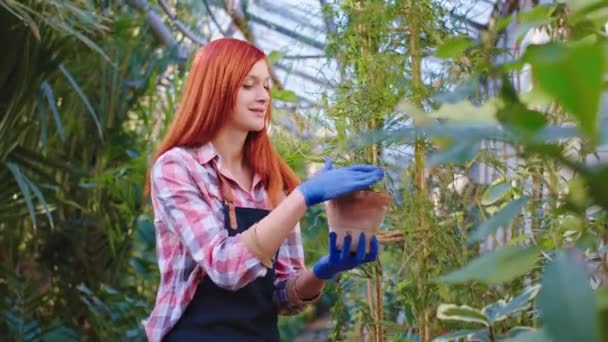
<point>252,99</point>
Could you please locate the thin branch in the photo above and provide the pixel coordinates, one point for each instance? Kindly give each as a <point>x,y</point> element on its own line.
<point>470,22</point>
<point>239,21</point>
<point>330,25</point>
<point>180,26</point>
<point>294,15</point>
<point>160,31</point>
<point>286,31</point>
<point>301,74</point>
<point>303,56</point>
<point>219,27</point>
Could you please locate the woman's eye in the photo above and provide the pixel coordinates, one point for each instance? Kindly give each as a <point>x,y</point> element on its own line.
<point>247,86</point>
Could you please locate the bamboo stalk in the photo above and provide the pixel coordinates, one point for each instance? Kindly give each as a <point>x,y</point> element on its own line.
<point>372,313</point>
<point>414,49</point>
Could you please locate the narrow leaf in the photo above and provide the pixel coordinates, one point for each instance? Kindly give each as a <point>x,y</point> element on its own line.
<point>83,38</point>
<point>83,97</point>
<point>41,199</point>
<point>284,95</point>
<point>566,301</point>
<point>25,190</point>
<point>463,313</point>
<point>48,92</point>
<point>501,218</point>
<point>42,118</point>
<point>495,267</point>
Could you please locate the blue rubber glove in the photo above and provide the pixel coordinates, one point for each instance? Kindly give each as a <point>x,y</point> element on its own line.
<point>332,183</point>
<point>339,261</point>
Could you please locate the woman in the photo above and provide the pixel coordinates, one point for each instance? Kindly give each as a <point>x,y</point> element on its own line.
<point>227,209</point>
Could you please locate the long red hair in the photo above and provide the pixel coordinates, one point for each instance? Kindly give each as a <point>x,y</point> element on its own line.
<point>209,96</point>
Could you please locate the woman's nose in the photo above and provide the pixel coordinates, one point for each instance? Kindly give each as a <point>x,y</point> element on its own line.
<point>262,95</point>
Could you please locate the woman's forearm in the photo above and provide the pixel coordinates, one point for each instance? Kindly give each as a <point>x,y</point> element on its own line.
<point>272,230</point>
<point>308,285</point>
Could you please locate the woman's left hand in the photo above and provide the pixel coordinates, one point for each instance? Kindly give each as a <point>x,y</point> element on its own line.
<point>338,261</point>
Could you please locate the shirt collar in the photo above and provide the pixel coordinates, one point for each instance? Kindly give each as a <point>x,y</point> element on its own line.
<point>207,152</point>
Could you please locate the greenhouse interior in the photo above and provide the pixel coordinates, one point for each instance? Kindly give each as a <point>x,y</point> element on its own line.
<point>480,126</point>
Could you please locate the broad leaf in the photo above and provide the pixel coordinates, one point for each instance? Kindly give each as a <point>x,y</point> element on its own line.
<point>458,335</point>
<point>459,152</point>
<point>501,218</point>
<point>522,301</point>
<point>602,298</point>
<point>463,313</point>
<point>465,111</point>
<point>573,75</point>
<point>538,16</point>
<point>494,193</point>
<point>454,47</point>
<point>495,267</point>
<point>566,301</point>
<point>501,310</point>
<point>537,335</point>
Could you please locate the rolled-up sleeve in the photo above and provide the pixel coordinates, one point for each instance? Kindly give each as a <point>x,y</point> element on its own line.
<point>185,207</point>
<point>290,263</point>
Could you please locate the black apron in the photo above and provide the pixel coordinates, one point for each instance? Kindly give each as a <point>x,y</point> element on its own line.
<point>216,314</point>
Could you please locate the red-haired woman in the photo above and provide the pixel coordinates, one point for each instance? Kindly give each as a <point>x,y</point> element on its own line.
<point>227,209</point>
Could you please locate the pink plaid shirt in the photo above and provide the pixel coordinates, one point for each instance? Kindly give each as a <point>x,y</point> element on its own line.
<point>191,240</point>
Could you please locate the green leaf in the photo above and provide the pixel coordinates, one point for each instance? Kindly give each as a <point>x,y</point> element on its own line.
<point>521,118</point>
<point>501,310</point>
<point>573,76</point>
<point>463,313</point>
<point>537,335</point>
<point>274,56</point>
<point>494,193</point>
<point>284,95</point>
<point>454,47</point>
<point>83,97</point>
<point>25,189</point>
<point>538,16</point>
<point>566,302</point>
<point>458,153</point>
<point>495,267</point>
<point>602,298</point>
<point>465,111</point>
<point>58,333</point>
<point>522,301</point>
<point>501,218</point>
<point>41,199</point>
<point>48,93</point>
<point>458,335</point>
<point>83,38</point>
<point>41,109</point>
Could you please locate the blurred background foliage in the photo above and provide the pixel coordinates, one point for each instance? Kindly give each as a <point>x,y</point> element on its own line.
<point>492,142</point>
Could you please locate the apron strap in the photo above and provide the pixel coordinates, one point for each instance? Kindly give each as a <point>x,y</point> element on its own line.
<point>226,192</point>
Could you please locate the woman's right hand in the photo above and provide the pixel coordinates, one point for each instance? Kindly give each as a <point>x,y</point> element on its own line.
<point>331,183</point>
